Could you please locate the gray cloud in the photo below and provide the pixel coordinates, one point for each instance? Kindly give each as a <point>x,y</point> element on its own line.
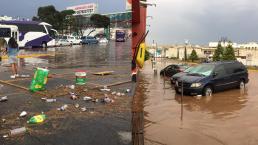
<point>202,21</point>
<point>28,8</point>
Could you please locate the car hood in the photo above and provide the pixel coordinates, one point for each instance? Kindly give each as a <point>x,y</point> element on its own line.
<point>188,78</point>
<point>178,75</point>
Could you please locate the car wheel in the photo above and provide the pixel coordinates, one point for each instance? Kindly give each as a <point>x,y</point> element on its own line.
<point>241,85</point>
<point>207,91</point>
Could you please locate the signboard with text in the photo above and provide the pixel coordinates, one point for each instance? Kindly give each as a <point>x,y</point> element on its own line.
<point>85,9</point>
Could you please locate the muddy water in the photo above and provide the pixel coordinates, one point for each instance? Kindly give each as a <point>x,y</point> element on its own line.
<point>227,118</point>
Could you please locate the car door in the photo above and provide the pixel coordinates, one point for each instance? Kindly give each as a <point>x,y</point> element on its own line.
<point>220,78</point>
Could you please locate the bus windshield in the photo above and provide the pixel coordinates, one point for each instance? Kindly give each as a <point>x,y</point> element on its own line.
<point>5,32</point>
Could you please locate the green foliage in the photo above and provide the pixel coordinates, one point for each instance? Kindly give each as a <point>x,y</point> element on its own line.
<point>147,55</point>
<point>59,20</point>
<point>193,56</point>
<point>229,53</point>
<point>218,53</point>
<point>100,21</point>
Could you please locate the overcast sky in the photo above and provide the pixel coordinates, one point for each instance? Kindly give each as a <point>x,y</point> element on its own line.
<point>202,21</point>
<point>28,8</point>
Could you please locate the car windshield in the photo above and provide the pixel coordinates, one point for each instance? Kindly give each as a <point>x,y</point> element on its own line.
<point>203,69</point>
<point>188,69</point>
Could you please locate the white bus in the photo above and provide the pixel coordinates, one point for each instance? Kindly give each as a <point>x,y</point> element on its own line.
<point>33,34</point>
<point>8,31</point>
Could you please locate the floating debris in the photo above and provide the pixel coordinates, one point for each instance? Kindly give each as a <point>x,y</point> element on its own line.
<point>86,98</point>
<point>4,99</point>
<point>63,108</point>
<point>23,114</point>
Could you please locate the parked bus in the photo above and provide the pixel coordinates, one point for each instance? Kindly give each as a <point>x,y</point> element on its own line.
<point>8,31</point>
<point>33,34</point>
<point>120,35</point>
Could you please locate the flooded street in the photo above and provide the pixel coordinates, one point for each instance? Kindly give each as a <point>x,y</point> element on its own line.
<point>101,123</point>
<point>226,118</point>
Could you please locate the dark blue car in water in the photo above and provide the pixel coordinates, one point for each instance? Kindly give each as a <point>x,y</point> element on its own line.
<point>89,40</point>
<point>208,78</point>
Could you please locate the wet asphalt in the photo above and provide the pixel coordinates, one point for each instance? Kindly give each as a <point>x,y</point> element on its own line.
<point>108,124</point>
<point>226,118</point>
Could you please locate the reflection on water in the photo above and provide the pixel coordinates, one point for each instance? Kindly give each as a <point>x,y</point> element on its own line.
<point>77,55</point>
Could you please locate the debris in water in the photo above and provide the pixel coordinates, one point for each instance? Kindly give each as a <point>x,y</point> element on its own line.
<point>86,98</point>
<point>4,99</point>
<point>37,119</point>
<point>23,114</point>
<point>16,131</point>
<point>63,108</point>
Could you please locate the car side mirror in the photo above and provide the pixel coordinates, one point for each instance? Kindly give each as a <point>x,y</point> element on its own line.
<point>214,74</point>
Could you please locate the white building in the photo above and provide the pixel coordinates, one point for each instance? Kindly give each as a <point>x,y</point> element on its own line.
<point>5,18</point>
<point>250,45</point>
<point>223,44</point>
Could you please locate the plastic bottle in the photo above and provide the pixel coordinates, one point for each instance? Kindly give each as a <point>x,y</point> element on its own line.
<point>3,99</point>
<point>18,131</point>
<point>37,119</point>
<point>50,100</point>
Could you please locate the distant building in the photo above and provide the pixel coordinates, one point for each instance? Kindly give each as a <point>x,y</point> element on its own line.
<point>5,18</point>
<point>250,45</point>
<point>223,44</point>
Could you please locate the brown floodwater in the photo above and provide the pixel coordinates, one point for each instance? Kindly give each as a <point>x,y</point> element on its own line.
<point>226,118</point>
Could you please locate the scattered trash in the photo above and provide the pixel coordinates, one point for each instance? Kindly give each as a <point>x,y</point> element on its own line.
<point>105,89</point>
<point>48,100</point>
<point>107,100</point>
<point>95,100</point>
<point>63,108</point>
<point>113,93</point>
<point>80,77</point>
<point>86,98</point>
<point>17,131</point>
<point>4,99</point>
<point>25,76</point>
<point>73,96</point>
<point>71,87</point>
<point>39,80</point>
<point>103,73</point>
<point>3,120</point>
<point>122,94</point>
<point>76,105</point>
<point>83,109</point>
<point>128,90</point>
<point>37,119</point>
<point>118,94</point>
<point>5,136</point>
<point>85,90</point>
<point>23,114</point>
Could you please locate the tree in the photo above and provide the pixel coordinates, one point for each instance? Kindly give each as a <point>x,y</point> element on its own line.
<point>229,53</point>
<point>218,53</point>
<point>193,56</point>
<point>48,14</point>
<point>100,21</point>
<point>59,20</point>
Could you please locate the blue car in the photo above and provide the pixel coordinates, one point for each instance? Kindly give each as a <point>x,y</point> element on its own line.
<point>89,40</point>
<point>208,78</point>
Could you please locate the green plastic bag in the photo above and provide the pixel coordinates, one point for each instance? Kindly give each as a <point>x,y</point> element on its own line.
<point>37,119</point>
<point>39,80</point>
